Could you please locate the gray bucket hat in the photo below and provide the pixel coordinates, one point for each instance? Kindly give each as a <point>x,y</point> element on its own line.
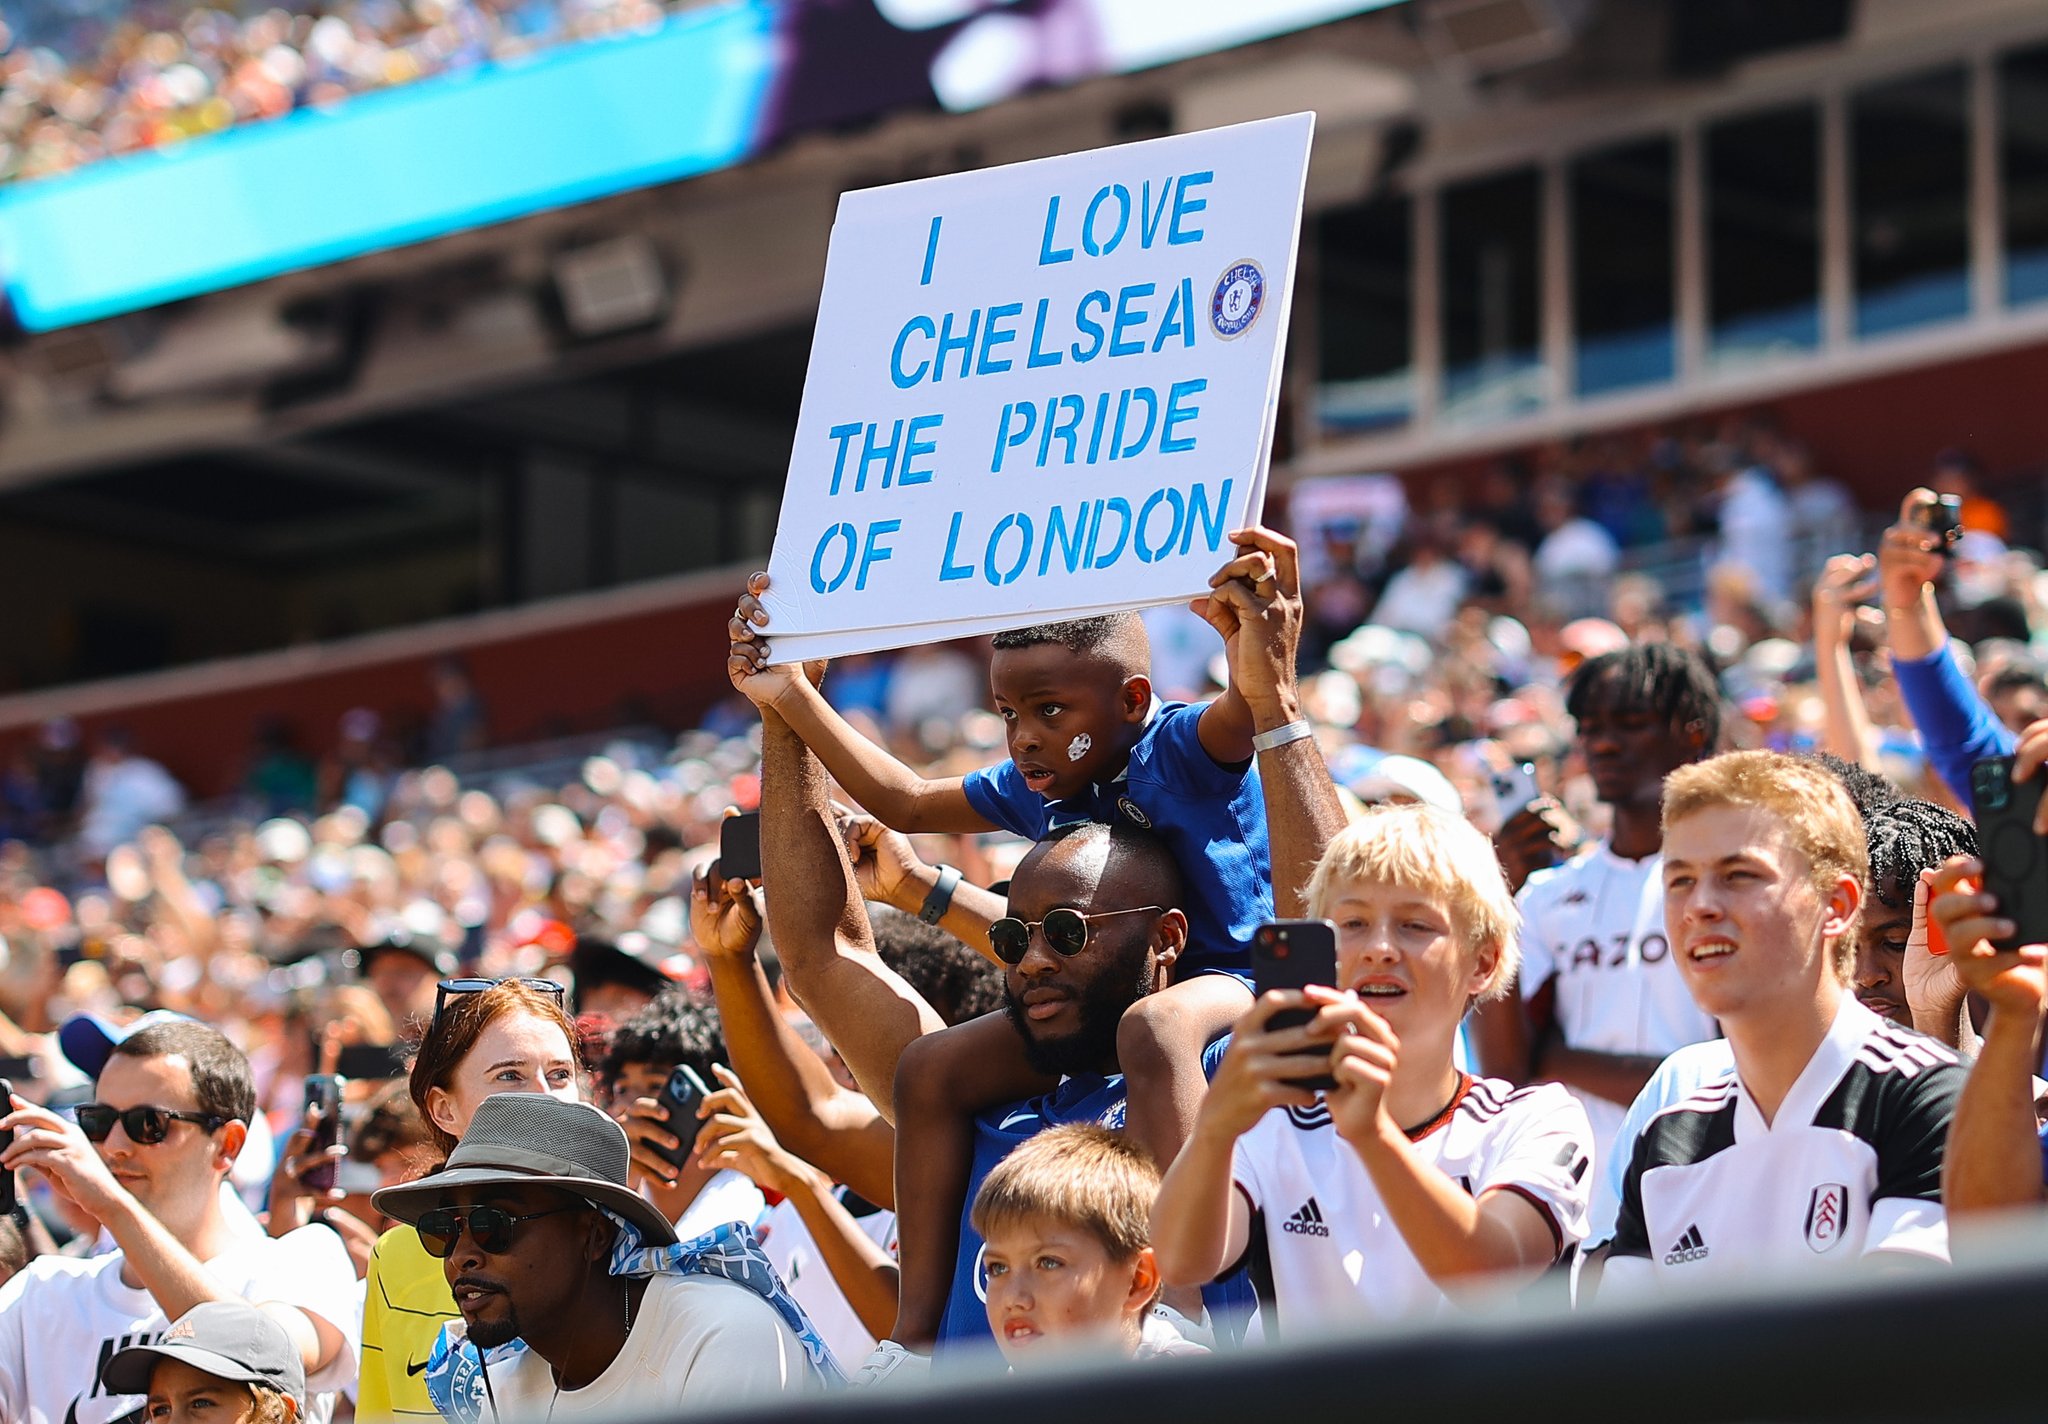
<point>526,1139</point>
<point>230,1339</point>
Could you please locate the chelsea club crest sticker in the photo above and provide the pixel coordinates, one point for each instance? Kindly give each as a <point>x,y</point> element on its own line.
<point>1240,294</point>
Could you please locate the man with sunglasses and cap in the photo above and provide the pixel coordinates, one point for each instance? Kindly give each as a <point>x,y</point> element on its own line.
<point>577,1300</point>
<point>146,1160</point>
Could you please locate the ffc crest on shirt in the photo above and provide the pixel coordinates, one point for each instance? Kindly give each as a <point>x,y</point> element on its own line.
<point>1827,1214</point>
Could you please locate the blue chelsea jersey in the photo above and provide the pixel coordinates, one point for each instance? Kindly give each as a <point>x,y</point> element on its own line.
<point>1087,1097</point>
<point>1212,817</point>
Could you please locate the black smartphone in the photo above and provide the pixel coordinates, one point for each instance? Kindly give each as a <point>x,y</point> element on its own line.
<point>7,1195</point>
<point>369,1062</point>
<point>739,846</point>
<point>682,1095</point>
<point>1293,954</point>
<point>2015,855</point>
<point>1944,520</point>
<point>323,1097</point>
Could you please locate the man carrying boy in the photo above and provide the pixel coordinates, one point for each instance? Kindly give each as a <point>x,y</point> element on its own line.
<point>1409,1179</point>
<point>1827,1142</point>
<point>1088,745</point>
<point>1066,1218</point>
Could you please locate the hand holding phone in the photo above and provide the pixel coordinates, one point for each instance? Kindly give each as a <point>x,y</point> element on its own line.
<point>1293,954</point>
<point>1944,520</point>
<point>323,1101</point>
<point>739,846</point>
<point>2015,855</point>
<point>680,1097</point>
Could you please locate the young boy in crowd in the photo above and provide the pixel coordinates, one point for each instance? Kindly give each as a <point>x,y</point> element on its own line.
<point>221,1362</point>
<point>1069,1255</point>
<point>1410,1179</point>
<point>1826,1143</point>
<point>1087,742</point>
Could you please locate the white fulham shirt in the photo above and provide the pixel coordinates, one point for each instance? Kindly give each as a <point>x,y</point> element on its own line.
<point>1594,927</point>
<point>1334,1252</point>
<point>1850,1164</point>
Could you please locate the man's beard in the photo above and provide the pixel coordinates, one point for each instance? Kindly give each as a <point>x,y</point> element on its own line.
<point>489,1334</point>
<point>1102,1004</point>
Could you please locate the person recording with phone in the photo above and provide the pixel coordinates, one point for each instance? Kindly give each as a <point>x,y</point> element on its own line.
<point>1997,1151</point>
<point>660,1068</point>
<point>1957,726</point>
<point>1406,1182</point>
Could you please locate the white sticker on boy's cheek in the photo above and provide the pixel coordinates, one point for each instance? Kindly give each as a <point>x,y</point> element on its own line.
<point>1078,748</point>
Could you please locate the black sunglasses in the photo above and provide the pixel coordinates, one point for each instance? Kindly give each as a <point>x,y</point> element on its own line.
<point>489,1226</point>
<point>454,988</point>
<point>146,1125</point>
<point>1066,931</point>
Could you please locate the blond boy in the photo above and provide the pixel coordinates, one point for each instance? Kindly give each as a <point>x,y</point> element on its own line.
<point>1068,1254</point>
<point>1411,1179</point>
<point>1826,1145</point>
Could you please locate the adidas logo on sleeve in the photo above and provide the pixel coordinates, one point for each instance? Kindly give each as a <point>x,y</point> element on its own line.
<point>1308,1221</point>
<point>1690,1247</point>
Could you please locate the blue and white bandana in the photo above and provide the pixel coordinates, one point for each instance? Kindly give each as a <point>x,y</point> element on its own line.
<point>455,1368</point>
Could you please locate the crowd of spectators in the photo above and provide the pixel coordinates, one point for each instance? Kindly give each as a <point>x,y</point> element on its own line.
<point>1527,669</point>
<point>85,80</point>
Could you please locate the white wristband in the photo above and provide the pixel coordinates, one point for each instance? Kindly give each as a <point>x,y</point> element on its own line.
<point>1298,730</point>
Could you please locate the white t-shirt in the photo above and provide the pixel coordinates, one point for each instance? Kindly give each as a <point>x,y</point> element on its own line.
<point>1595,925</point>
<point>62,1317</point>
<point>794,1252</point>
<point>698,1344</point>
<point>1849,1164</point>
<point>728,1196</point>
<point>1334,1251</point>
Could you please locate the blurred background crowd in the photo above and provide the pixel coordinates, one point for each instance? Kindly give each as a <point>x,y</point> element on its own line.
<point>319,905</point>
<point>85,79</point>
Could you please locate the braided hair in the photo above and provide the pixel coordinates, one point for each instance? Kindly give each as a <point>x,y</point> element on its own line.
<point>1907,837</point>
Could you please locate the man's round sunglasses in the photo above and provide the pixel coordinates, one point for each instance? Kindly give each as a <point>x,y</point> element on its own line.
<point>145,1125</point>
<point>1066,931</point>
<point>489,1226</point>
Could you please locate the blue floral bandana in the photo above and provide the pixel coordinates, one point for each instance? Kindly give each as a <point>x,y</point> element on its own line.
<point>455,1369</point>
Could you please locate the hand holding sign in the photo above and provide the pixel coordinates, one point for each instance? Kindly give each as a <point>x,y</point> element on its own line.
<point>1012,422</point>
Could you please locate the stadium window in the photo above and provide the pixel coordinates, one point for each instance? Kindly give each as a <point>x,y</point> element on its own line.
<point>2023,170</point>
<point>1910,199</point>
<point>1490,300</point>
<point>1763,235</point>
<point>1364,310</point>
<point>1622,266</point>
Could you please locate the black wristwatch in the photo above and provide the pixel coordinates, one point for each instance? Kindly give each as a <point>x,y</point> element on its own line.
<point>941,897</point>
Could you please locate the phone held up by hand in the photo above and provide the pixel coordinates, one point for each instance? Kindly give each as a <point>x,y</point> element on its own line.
<point>1293,954</point>
<point>680,1097</point>
<point>1944,520</point>
<point>323,1099</point>
<point>2015,855</point>
<point>739,847</point>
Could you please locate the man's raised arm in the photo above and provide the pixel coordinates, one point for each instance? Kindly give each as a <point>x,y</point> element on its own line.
<point>1255,603</point>
<point>820,926</point>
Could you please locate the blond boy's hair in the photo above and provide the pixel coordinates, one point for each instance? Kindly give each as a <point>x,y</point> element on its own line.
<point>1820,820</point>
<point>1438,854</point>
<point>1079,1175</point>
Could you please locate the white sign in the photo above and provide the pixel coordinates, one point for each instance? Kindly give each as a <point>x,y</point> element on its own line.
<point>1039,392</point>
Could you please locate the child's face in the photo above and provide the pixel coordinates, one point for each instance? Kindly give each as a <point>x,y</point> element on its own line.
<point>1070,720</point>
<point>181,1394</point>
<point>1400,950</point>
<point>1052,1284</point>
